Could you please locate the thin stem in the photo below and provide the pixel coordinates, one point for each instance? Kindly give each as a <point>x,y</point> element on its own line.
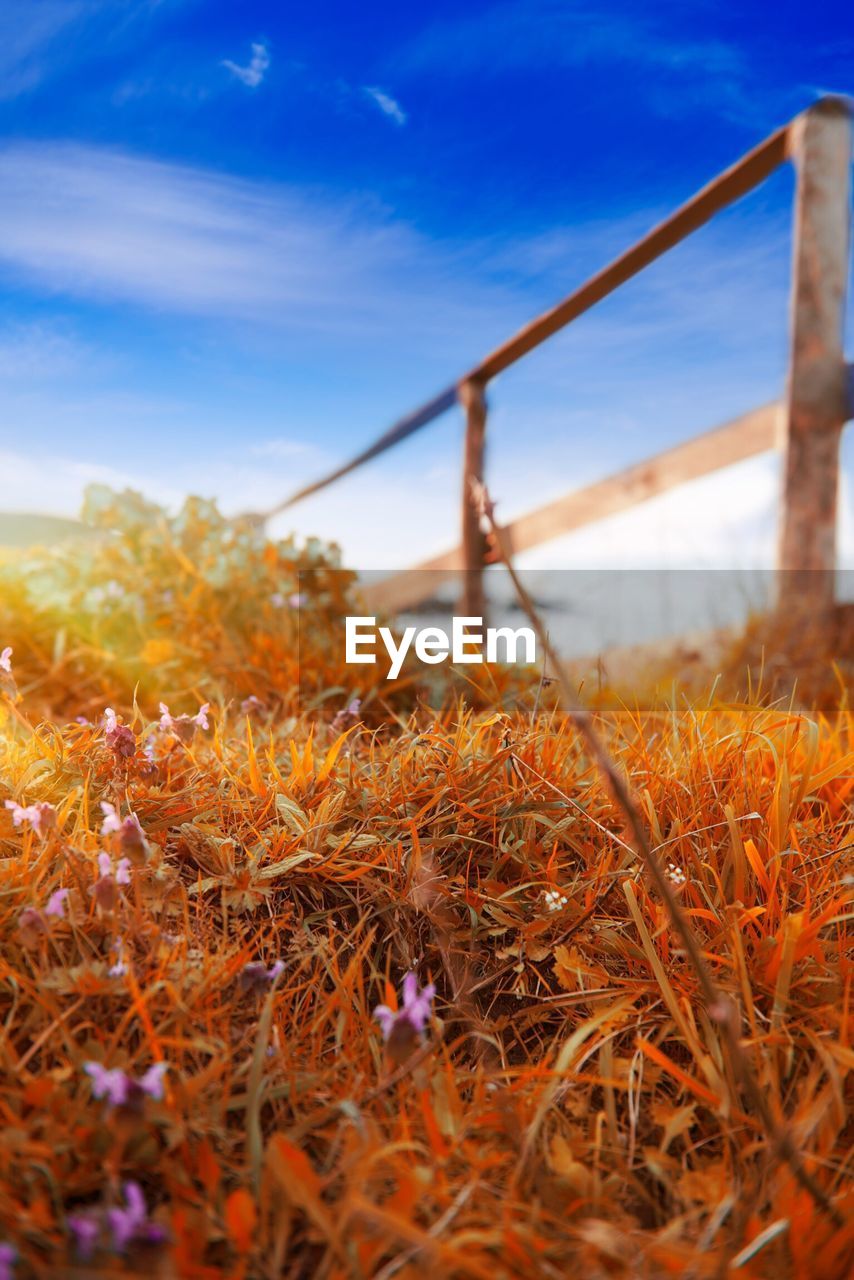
<point>720,1007</point>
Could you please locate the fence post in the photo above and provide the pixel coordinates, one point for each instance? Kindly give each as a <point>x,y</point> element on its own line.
<point>473,400</point>
<point>815,407</point>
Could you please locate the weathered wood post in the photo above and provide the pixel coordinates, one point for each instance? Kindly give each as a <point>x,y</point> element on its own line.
<point>473,400</point>
<point>815,407</point>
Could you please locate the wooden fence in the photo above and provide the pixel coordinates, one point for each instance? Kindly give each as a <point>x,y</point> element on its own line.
<point>806,424</point>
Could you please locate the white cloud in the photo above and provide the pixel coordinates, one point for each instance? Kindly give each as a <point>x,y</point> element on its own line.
<point>254,73</point>
<point>387,104</point>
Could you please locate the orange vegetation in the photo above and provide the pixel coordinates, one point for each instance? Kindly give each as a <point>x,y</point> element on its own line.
<point>568,1111</point>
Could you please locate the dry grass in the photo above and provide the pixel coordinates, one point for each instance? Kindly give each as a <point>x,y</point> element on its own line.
<point>569,1112</point>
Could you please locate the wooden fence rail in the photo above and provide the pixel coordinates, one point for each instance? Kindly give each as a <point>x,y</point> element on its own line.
<point>806,424</point>
<point>744,437</point>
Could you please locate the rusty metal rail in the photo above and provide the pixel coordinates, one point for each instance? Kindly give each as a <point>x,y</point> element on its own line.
<point>809,420</point>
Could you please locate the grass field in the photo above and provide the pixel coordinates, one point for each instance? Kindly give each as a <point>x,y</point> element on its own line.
<point>211,905</point>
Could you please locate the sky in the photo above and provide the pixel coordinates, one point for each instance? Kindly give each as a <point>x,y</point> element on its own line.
<point>238,241</point>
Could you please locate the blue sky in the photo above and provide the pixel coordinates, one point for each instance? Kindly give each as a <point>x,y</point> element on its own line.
<point>236,241</point>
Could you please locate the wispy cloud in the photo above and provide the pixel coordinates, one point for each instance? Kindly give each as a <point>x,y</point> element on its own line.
<point>253,73</point>
<point>526,35</point>
<point>42,353</point>
<point>353,286</point>
<point>387,104</point>
<point>282,448</point>
<point>105,225</point>
<point>95,224</point>
<point>40,39</point>
<point>28,34</point>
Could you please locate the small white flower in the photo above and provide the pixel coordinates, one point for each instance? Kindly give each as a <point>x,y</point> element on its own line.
<point>554,900</point>
<point>676,875</point>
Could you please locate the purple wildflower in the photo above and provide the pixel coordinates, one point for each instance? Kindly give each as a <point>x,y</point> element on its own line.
<point>184,726</point>
<point>402,1028</point>
<point>152,1082</point>
<point>132,840</point>
<point>122,871</point>
<point>31,926</point>
<point>86,1230</point>
<point>7,680</point>
<point>112,821</point>
<point>252,706</point>
<point>8,1252</point>
<point>41,816</point>
<point>120,1089</point>
<point>131,1225</point>
<point>255,976</point>
<point>107,885</point>
<point>297,600</point>
<point>119,968</point>
<point>111,1084</point>
<point>131,837</point>
<point>277,600</point>
<point>347,716</point>
<point>56,903</point>
<point>124,1223</point>
<point>105,889</point>
<point>119,737</point>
